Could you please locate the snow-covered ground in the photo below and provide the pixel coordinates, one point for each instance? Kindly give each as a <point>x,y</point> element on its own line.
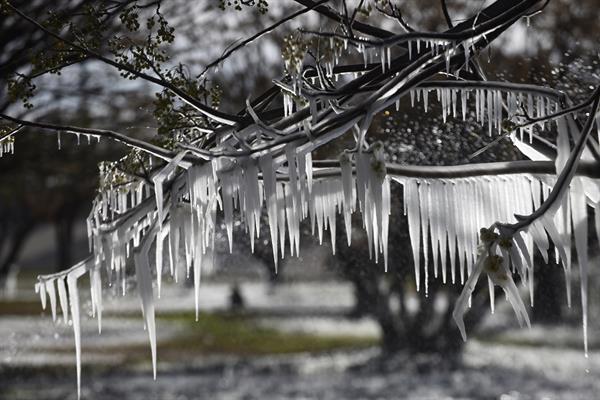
<point>37,360</point>
<point>489,372</point>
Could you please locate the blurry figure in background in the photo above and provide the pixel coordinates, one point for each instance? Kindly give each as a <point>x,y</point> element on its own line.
<point>236,300</point>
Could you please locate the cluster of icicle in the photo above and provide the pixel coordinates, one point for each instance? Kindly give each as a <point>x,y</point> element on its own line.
<point>489,105</point>
<point>181,211</point>
<point>417,47</point>
<point>7,145</point>
<point>445,216</point>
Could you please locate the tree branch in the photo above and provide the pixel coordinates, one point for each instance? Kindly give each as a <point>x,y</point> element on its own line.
<point>564,179</point>
<point>119,137</point>
<point>586,168</point>
<point>217,115</point>
<point>259,34</point>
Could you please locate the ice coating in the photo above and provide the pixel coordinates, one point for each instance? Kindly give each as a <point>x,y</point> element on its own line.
<point>144,281</point>
<point>443,214</point>
<point>52,296</point>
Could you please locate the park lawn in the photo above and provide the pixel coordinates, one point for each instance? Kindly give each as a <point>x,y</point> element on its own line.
<point>242,335</point>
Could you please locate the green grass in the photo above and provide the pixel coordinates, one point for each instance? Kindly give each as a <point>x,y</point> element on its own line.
<point>234,334</point>
<point>241,335</point>
<point>213,333</point>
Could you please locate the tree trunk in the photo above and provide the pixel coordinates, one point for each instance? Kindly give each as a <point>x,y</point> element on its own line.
<point>549,294</point>
<point>14,248</point>
<point>64,242</point>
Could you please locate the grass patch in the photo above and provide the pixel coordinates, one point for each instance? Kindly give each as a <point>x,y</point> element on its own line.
<point>238,334</point>
<point>235,334</point>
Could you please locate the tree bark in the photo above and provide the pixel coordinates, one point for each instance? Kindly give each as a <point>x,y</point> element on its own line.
<point>64,242</point>
<point>14,249</point>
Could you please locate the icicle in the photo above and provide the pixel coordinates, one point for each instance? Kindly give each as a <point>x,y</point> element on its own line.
<point>579,215</point>
<point>160,240</point>
<point>443,227</point>
<point>424,208</point>
<point>74,302</point>
<point>295,203</point>
<point>280,193</point>
<point>463,103</point>
<point>63,299</point>
<point>144,282</point>
<point>411,200</point>
<point>52,296</point>
<point>443,93</point>
<point>348,199</point>
<point>450,196</point>
<point>270,188</point>
<point>435,223</point>
<point>386,210</point>
<point>462,303</point>
<point>228,180</point>
<point>453,99</point>
<point>290,217</point>
<point>461,233</point>
<point>490,110</point>
<point>477,105</point>
<point>197,276</point>
<point>309,171</point>
<point>251,198</point>
<point>492,294</point>
<point>42,290</point>
<point>499,111</point>
<point>96,292</point>
<point>160,177</point>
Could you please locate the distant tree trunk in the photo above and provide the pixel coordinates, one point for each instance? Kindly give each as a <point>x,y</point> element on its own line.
<point>409,321</point>
<point>549,294</point>
<point>64,241</point>
<point>13,249</point>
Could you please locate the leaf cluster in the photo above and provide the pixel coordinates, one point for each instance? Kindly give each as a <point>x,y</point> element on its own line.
<point>237,5</point>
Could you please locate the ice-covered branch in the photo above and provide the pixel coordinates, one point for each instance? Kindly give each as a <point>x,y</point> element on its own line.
<point>261,158</point>
<point>563,180</point>
<point>585,168</point>
<point>566,195</point>
<point>96,133</point>
<point>458,35</point>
